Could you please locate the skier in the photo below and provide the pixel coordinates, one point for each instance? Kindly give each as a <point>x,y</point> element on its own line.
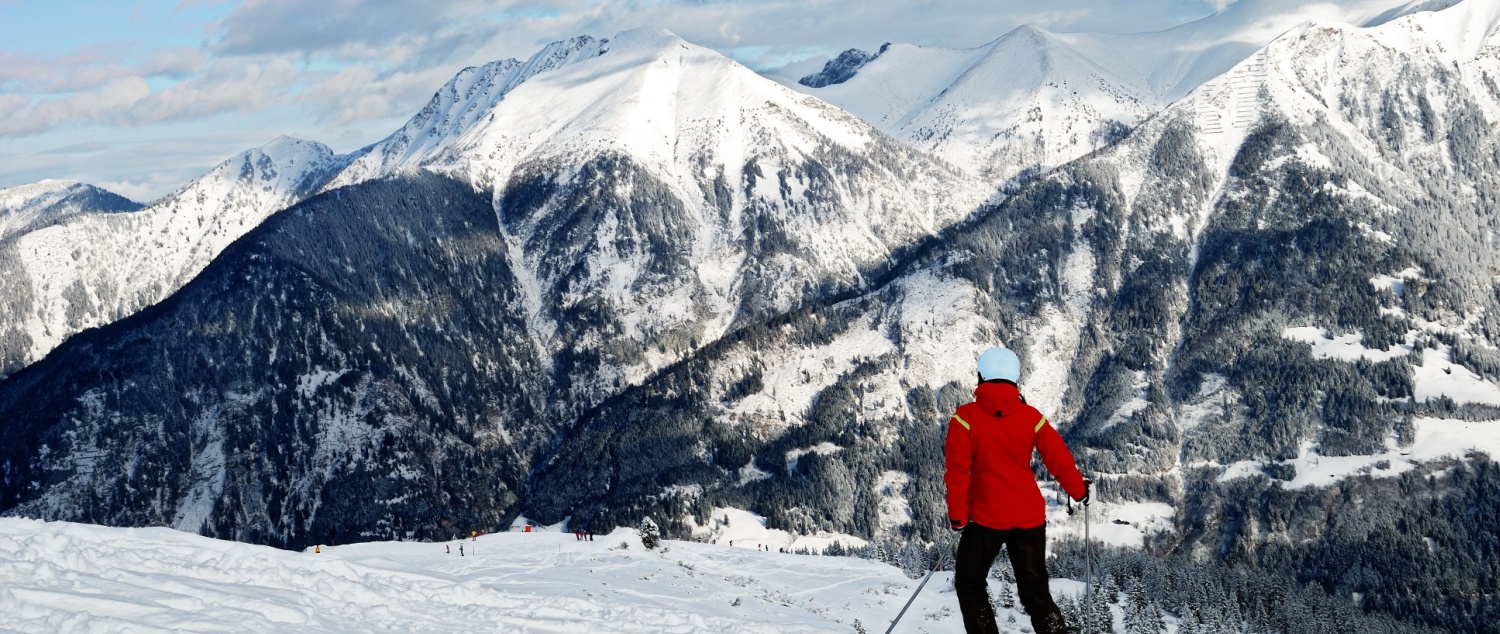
<point>993,496</point>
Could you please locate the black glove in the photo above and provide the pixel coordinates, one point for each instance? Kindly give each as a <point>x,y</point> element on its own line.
<point>1088,491</point>
<point>956,525</point>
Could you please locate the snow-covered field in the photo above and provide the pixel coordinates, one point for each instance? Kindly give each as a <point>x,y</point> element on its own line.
<point>62,577</point>
<point>743,529</point>
<point>1435,376</point>
<point>1436,438</point>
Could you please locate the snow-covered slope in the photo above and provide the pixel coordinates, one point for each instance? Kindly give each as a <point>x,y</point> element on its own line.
<point>24,208</point>
<point>94,269</point>
<point>1023,101</point>
<point>62,577</point>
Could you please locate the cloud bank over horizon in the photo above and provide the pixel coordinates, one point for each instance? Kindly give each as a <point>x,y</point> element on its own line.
<point>139,97</point>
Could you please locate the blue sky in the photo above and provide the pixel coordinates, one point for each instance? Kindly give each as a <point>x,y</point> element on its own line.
<point>141,96</point>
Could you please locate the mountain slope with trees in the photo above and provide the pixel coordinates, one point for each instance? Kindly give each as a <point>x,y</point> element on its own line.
<point>1270,308</point>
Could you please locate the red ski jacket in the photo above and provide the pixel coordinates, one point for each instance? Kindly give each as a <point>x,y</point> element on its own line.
<point>988,460</point>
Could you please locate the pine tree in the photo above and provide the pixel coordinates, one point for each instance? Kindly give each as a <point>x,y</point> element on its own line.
<point>1188,623</point>
<point>650,534</point>
<point>913,560</point>
<point>1102,621</point>
<point>1141,614</point>
<point>1007,596</point>
<point>1072,615</point>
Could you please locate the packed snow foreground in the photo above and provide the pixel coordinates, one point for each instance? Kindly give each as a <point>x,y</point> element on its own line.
<point>65,577</point>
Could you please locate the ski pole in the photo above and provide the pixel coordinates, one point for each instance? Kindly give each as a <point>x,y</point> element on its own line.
<point>1088,573</point>
<point>908,601</point>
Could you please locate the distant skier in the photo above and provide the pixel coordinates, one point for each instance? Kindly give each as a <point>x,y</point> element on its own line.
<point>993,496</point>
<point>460,549</point>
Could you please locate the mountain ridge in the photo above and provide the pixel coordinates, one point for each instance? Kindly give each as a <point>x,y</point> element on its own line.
<point>26,208</point>
<point>91,269</point>
<point>1269,309</point>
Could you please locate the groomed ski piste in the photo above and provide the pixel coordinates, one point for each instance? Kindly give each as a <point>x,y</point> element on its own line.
<point>67,577</point>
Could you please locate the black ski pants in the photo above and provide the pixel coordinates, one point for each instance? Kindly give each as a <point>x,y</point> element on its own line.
<point>977,549</point>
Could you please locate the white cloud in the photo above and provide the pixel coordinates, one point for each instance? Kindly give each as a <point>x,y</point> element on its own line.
<point>129,101</point>
<point>104,101</point>
<point>360,92</point>
<point>92,68</point>
<point>403,33</point>
<point>12,104</point>
<point>226,87</point>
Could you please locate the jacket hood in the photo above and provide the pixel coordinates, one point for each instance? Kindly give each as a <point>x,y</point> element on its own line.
<point>993,395</point>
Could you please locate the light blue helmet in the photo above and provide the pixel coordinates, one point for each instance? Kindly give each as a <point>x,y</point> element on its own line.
<point>999,363</point>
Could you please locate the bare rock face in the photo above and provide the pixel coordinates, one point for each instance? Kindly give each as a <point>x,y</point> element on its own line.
<point>840,69</point>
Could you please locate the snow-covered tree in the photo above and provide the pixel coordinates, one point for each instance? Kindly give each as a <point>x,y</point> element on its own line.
<point>650,533</point>
<point>1141,614</point>
<point>1006,598</point>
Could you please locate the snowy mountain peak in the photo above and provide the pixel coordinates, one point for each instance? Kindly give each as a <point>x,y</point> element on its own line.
<point>645,65</point>
<point>1023,101</point>
<point>1031,32</point>
<point>1323,70</point>
<point>14,196</point>
<point>646,37</point>
<point>284,169</point>
<point>136,259</point>
<point>39,194</point>
<point>25,208</point>
<point>286,147</point>
<point>729,157</point>
<point>1455,31</point>
<point>456,107</point>
<point>1029,44</point>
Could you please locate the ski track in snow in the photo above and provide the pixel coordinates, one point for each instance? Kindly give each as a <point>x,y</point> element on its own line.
<point>63,577</point>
